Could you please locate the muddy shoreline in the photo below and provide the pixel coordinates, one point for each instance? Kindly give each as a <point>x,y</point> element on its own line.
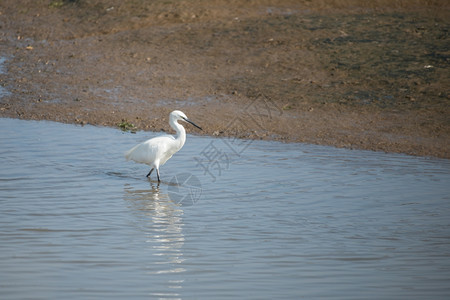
<point>342,73</point>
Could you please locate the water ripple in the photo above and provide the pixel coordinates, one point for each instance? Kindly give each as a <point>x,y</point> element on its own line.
<point>281,221</point>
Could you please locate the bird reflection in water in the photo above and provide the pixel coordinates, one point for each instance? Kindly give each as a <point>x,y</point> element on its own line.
<point>161,222</point>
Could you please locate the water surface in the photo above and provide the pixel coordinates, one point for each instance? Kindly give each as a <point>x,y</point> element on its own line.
<point>231,219</point>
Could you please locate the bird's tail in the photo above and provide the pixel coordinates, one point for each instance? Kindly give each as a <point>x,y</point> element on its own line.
<point>129,152</point>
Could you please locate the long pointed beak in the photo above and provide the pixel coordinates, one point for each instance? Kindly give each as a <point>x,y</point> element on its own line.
<point>189,121</point>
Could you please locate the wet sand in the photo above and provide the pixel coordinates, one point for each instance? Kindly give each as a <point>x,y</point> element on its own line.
<point>343,73</point>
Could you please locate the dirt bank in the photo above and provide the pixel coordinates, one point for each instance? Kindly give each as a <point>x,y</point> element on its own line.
<point>344,73</point>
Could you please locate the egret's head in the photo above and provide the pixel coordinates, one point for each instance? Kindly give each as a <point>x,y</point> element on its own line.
<point>179,115</point>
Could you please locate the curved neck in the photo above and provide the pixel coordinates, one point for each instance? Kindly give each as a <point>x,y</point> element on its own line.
<point>181,132</point>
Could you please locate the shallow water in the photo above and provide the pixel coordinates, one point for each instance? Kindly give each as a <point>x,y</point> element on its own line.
<point>231,219</point>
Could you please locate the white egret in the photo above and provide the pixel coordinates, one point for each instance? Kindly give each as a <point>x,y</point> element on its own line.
<point>156,151</point>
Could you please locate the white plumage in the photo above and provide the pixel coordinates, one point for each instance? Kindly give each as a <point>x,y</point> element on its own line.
<point>157,151</point>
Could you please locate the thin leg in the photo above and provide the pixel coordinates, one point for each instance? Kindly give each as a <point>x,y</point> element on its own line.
<point>150,172</point>
<point>157,173</point>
